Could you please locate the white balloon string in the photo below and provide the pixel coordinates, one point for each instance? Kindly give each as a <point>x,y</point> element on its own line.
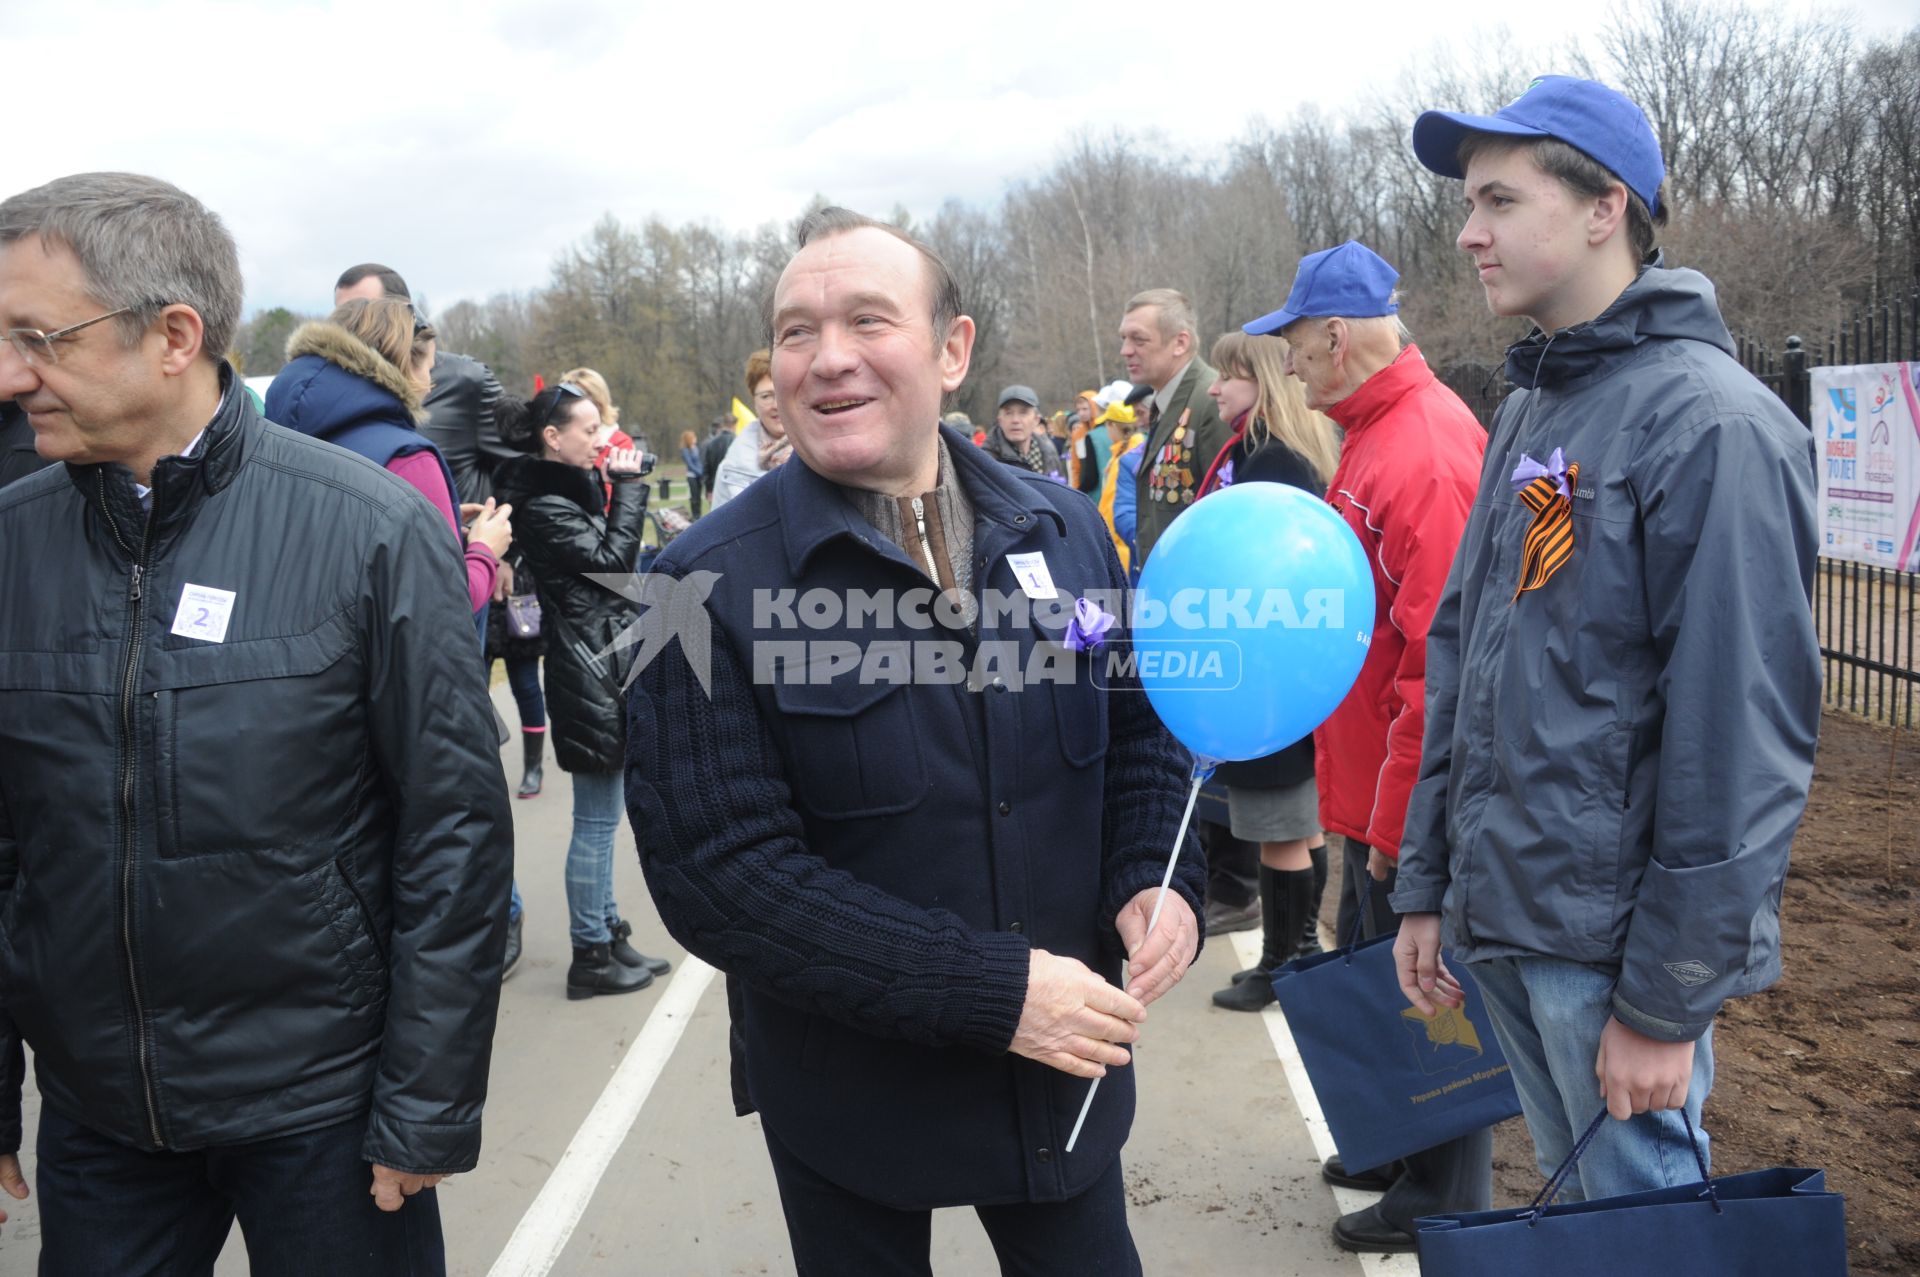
<point>1159,902</point>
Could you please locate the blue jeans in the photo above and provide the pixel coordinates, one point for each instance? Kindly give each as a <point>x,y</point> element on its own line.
<point>599,800</point>
<point>1549,1013</point>
<point>523,677</point>
<point>301,1200</point>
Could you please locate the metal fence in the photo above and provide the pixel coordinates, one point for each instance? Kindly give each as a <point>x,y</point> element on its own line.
<point>1865,618</point>
<point>1864,615</point>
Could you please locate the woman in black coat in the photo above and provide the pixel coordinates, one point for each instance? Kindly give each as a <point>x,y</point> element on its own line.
<point>1273,800</point>
<point>566,529</point>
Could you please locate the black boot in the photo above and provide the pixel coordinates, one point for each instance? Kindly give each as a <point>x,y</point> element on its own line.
<point>628,956</point>
<point>1266,938</point>
<point>595,972</point>
<point>532,745</point>
<point>1283,896</point>
<point>1310,925</point>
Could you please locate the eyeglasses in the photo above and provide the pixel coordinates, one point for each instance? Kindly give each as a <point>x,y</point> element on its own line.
<point>36,347</point>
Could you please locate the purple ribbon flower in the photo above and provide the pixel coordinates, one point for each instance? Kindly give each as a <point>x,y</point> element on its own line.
<point>1556,469</point>
<point>1088,628</point>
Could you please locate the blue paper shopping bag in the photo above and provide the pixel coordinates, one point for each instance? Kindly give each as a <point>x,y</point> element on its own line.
<point>1390,1080</point>
<point>1780,1220</point>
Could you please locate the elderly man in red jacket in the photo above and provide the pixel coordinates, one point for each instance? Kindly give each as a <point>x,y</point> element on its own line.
<point>1408,471</point>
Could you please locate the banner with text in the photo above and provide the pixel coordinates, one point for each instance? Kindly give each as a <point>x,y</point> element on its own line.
<point>1866,421</point>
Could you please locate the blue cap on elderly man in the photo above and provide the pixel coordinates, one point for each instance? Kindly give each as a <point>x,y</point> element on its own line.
<point>1351,281</point>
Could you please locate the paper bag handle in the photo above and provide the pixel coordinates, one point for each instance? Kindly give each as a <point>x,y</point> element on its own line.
<point>1544,1198</point>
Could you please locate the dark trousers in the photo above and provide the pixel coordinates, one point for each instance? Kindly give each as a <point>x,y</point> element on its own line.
<point>1233,865</point>
<point>1361,889</point>
<point>836,1233</point>
<point>1457,1175</point>
<point>694,489</point>
<point>302,1202</point>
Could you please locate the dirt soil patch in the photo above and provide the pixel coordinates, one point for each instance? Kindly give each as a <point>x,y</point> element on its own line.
<point>1820,1070</point>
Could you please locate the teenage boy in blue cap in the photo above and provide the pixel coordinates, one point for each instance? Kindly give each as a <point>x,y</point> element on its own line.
<point>1623,684</point>
<point>1407,471</point>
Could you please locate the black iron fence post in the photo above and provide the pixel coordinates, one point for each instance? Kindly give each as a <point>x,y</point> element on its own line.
<point>1796,385</point>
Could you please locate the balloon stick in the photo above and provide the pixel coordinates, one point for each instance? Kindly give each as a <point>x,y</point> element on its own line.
<point>1201,770</point>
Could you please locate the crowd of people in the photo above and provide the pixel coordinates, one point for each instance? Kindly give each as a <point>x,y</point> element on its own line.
<point>256,846</point>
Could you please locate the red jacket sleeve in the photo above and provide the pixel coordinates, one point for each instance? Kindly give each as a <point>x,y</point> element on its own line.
<point>1420,531</point>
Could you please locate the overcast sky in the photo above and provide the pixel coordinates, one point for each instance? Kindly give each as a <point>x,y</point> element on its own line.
<point>466,146</point>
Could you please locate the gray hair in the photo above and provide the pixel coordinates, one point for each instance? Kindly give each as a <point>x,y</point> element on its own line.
<point>1173,312</point>
<point>1402,335</point>
<point>144,244</point>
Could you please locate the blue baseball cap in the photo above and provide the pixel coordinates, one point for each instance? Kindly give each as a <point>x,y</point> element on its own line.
<point>1586,115</point>
<point>1352,281</point>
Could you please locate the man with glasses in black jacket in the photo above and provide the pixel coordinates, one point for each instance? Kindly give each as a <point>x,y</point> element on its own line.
<point>254,839</point>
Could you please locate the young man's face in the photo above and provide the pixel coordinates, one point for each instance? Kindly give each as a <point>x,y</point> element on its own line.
<point>1017,421</point>
<point>1527,234</point>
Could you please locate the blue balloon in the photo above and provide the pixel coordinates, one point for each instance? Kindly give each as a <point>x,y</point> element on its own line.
<point>1252,619</point>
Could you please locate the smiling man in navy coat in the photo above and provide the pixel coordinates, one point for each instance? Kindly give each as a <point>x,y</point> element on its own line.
<point>921,887</point>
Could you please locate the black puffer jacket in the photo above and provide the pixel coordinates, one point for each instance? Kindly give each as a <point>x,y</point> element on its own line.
<point>251,881</point>
<point>559,528</point>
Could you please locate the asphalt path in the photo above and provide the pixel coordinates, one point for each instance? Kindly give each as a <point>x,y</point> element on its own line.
<point>611,1145</point>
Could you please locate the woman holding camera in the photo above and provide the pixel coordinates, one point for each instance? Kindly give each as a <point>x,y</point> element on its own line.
<point>567,530</point>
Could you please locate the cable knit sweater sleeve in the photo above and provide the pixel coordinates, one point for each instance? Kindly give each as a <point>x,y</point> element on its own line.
<point>726,860</point>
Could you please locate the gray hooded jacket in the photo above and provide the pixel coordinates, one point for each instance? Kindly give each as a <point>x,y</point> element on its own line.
<point>1614,763</point>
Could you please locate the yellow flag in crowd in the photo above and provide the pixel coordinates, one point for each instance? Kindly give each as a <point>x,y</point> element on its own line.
<point>741,415</point>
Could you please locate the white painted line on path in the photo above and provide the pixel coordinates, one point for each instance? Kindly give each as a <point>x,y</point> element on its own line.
<point>1246,945</point>
<point>543,1231</point>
